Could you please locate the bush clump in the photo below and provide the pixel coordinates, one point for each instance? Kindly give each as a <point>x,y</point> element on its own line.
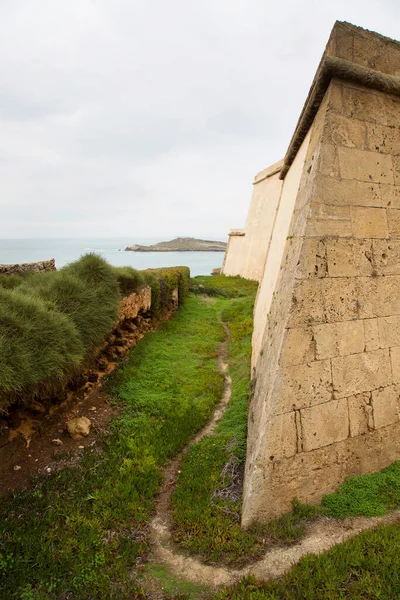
<point>130,280</point>
<point>163,282</point>
<point>51,323</point>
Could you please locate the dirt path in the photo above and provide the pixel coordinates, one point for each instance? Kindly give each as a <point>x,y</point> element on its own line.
<point>321,535</point>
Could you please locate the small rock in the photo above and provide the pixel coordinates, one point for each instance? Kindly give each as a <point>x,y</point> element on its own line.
<point>102,363</point>
<point>93,408</point>
<point>56,442</point>
<point>37,407</point>
<point>81,447</point>
<point>79,427</point>
<point>17,468</point>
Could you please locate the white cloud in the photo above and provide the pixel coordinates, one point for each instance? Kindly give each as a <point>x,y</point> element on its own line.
<point>150,118</point>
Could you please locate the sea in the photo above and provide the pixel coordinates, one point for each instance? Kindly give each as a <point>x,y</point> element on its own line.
<point>64,251</point>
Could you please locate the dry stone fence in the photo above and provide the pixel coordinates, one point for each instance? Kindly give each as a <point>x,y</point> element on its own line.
<point>323,239</point>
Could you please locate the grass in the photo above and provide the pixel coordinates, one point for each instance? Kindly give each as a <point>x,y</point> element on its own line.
<point>83,530</point>
<point>223,286</point>
<point>172,585</point>
<point>367,495</point>
<point>51,323</point>
<point>364,568</point>
<point>206,502</point>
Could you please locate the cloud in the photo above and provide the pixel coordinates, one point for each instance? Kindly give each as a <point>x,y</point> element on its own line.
<point>150,118</point>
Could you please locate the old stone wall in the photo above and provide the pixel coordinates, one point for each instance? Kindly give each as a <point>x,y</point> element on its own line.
<point>234,253</point>
<point>44,265</point>
<point>247,249</point>
<point>327,328</point>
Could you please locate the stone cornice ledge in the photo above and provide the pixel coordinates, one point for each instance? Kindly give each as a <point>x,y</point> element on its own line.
<point>237,232</point>
<point>334,68</point>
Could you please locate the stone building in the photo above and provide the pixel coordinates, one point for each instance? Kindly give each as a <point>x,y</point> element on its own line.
<point>323,239</point>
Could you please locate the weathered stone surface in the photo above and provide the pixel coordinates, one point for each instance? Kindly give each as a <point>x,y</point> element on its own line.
<point>394,222</point>
<point>365,165</point>
<point>283,436</point>
<point>378,296</point>
<point>386,257</point>
<point>307,303</point>
<point>395,361</point>
<point>329,220</point>
<point>349,257</point>
<point>313,261</point>
<point>364,105</point>
<point>390,194</point>
<point>369,222</point>
<point>371,334</point>
<point>324,424</point>
<point>361,372</point>
<point>360,414</point>
<point>78,427</point>
<point>131,305</point>
<point>337,294</point>
<point>298,347</point>
<point>341,131</point>
<point>385,405</point>
<point>340,299</point>
<point>338,339</point>
<point>382,138</point>
<point>389,331</point>
<point>348,192</point>
<point>299,386</point>
<point>328,161</point>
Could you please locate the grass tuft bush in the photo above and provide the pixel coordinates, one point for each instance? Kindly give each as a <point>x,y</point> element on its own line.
<point>50,323</point>
<point>130,280</point>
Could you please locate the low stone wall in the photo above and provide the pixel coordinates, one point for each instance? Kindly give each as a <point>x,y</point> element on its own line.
<point>22,424</point>
<point>43,265</point>
<point>131,305</point>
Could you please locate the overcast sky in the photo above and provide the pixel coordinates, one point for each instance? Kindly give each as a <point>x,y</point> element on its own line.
<point>149,118</point>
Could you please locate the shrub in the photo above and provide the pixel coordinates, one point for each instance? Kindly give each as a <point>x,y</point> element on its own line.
<point>36,344</point>
<point>50,323</point>
<point>163,282</point>
<point>130,280</point>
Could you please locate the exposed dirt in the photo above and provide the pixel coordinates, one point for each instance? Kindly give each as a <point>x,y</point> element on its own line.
<point>321,535</point>
<point>35,441</point>
<point>52,448</point>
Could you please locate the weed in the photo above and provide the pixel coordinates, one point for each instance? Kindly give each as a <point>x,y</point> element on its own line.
<point>81,530</point>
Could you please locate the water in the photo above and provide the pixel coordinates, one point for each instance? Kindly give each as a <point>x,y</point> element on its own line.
<point>112,249</point>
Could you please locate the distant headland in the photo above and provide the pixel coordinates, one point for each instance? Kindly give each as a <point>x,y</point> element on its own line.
<point>181,244</point>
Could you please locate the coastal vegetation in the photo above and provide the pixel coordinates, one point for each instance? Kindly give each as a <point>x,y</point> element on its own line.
<point>82,531</point>
<point>51,323</point>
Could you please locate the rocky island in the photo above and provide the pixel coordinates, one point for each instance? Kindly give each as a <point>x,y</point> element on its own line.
<point>181,244</point>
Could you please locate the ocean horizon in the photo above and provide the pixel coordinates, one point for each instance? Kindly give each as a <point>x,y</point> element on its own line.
<point>66,250</point>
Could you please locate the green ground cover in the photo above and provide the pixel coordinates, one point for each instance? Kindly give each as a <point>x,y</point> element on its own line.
<point>82,530</point>
<point>364,568</point>
<point>206,507</point>
<point>50,323</point>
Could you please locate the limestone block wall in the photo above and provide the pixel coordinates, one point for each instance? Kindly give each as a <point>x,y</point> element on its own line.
<point>279,232</point>
<point>234,253</point>
<point>327,389</point>
<point>246,257</point>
